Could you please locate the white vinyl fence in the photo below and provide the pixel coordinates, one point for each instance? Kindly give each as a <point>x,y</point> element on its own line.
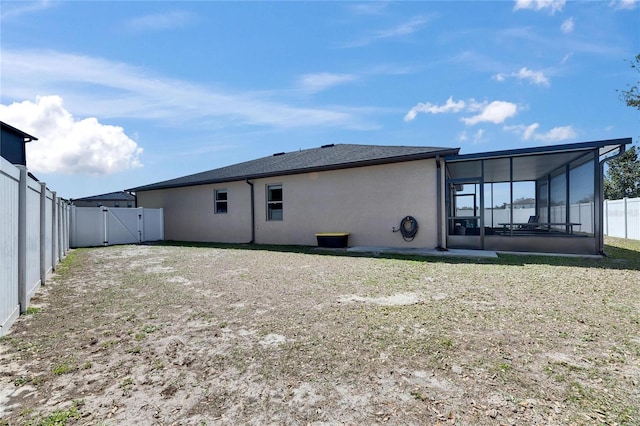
<point>622,218</point>
<point>102,226</point>
<point>34,231</point>
<point>580,213</point>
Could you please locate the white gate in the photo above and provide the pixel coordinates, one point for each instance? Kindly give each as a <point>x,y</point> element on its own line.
<point>102,226</point>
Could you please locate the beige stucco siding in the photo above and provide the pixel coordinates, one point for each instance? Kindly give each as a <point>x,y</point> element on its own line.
<point>368,202</point>
<point>189,212</point>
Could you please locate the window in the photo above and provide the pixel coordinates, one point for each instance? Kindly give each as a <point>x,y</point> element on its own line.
<point>221,201</point>
<point>274,202</point>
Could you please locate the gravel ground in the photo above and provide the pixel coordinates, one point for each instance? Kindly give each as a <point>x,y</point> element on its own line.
<point>229,335</point>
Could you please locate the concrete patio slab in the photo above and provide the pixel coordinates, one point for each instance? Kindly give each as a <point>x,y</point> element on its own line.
<point>424,252</point>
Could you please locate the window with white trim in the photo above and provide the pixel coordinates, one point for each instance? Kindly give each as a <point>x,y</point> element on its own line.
<point>274,202</point>
<point>221,206</point>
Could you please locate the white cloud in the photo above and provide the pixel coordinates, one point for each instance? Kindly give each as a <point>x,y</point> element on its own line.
<point>403,29</point>
<point>449,106</point>
<point>15,9</point>
<point>159,21</point>
<point>552,5</point>
<point>624,4</point>
<point>534,77</point>
<point>568,25</point>
<point>478,136</point>
<point>557,134</point>
<point>496,112</point>
<point>529,131</point>
<point>314,83</point>
<point>370,8</point>
<point>108,89</point>
<point>68,145</point>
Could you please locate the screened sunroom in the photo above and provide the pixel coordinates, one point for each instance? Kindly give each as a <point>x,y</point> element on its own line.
<point>546,199</point>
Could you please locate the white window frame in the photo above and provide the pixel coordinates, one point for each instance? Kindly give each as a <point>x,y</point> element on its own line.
<point>273,203</point>
<point>218,202</point>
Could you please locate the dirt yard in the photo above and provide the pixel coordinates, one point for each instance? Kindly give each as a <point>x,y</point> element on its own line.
<point>173,335</point>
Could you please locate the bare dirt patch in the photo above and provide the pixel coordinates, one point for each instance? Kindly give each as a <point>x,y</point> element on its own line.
<point>197,335</point>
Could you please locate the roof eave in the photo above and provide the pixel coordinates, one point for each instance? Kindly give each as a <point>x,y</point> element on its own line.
<point>18,132</point>
<point>581,146</point>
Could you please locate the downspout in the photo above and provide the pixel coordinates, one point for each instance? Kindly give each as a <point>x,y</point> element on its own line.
<point>600,193</point>
<point>253,215</point>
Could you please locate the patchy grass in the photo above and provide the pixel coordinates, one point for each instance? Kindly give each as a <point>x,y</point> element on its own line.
<point>58,417</point>
<point>196,333</point>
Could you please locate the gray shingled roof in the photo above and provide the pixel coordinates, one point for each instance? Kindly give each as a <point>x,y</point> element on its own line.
<point>328,157</point>
<point>112,196</point>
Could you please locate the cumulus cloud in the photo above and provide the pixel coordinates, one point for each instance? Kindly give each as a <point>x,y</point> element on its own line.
<point>449,106</point>
<point>496,112</point>
<point>568,25</point>
<point>624,4</point>
<point>556,134</point>
<point>534,77</point>
<point>314,83</point>
<point>69,145</point>
<point>552,6</point>
<point>530,132</point>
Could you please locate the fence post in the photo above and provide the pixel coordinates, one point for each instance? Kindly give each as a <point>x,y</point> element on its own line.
<point>54,230</point>
<point>606,217</point>
<point>140,224</point>
<point>67,221</point>
<point>626,218</point>
<point>59,224</point>
<point>43,232</point>
<point>22,239</point>
<point>105,212</point>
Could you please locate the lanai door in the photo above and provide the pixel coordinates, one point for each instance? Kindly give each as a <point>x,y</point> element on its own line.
<point>465,228</point>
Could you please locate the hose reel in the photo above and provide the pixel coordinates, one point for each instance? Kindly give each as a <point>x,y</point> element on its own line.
<point>408,228</point>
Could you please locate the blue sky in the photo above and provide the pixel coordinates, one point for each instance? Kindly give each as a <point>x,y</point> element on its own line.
<point>122,94</point>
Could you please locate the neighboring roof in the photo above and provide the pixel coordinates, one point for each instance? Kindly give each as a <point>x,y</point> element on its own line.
<point>327,157</point>
<point>26,137</point>
<point>529,163</point>
<point>112,196</point>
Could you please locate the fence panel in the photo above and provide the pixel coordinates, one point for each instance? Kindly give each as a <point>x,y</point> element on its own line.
<point>32,272</point>
<point>87,227</point>
<point>622,218</point>
<point>123,226</point>
<point>97,226</point>
<point>633,218</point>
<point>48,231</point>
<point>9,302</point>
<point>153,225</point>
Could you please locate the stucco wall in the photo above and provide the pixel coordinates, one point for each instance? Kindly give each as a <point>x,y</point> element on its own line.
<point>367,202</point>
<point>189,212</point>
